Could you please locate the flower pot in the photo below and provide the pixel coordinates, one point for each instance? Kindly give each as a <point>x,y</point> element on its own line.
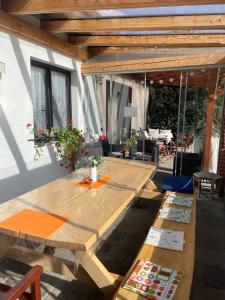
<point>94,174</point>
<point>133,150</point>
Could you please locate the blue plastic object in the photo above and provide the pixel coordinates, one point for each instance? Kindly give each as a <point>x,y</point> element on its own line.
<point>181,184</point>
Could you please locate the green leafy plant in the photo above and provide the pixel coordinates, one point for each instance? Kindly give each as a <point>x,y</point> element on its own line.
<point>90,161</point>
<point>132,141</point>
<point>67,142</point>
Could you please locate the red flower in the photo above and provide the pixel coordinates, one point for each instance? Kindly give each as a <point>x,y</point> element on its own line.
<point>28,125</point>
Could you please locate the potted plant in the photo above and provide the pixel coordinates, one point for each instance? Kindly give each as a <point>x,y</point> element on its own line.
<point>68,145</point>
<point>131,143</point>
<point>91,162</point>
<point>67,142</point>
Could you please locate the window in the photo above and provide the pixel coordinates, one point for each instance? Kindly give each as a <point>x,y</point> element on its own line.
<point>51,96</point>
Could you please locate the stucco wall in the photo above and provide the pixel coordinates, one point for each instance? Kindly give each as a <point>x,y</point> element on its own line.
<point>19,173</point>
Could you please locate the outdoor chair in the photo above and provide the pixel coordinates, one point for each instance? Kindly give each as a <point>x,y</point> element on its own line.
<point>151,150</point>
<point>31,279</point>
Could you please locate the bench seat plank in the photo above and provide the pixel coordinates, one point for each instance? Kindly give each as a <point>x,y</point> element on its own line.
<point>180,261</point>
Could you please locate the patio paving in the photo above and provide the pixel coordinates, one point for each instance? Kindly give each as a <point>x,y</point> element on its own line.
<point>209,273</point>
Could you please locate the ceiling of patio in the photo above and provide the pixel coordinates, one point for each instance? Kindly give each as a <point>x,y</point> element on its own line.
<point>125,30</point>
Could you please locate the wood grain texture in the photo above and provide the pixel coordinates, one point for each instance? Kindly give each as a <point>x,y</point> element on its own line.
<point>90,212</point>
<point>21,7</point>
<point>36,34</point>
<point>180,261</point>
<point>135,24</point>
<point>49,263</point>
<point>98,50</point>
<point>208,132</point>
<point>167,40</point>
<point>105,280</point>
<point>153,64</point>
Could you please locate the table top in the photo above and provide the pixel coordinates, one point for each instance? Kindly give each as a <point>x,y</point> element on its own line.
<point>207,175</point>
<point>180,261</point>
<point>90,211</point>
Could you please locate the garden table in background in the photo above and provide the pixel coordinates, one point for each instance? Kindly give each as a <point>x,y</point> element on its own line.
<point>86,214</point>
<point>213,179</point>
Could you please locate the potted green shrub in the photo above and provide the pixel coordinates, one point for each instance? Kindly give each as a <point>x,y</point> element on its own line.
<point>91,162</point>
<point>67,141</point>
<point>131,143</point>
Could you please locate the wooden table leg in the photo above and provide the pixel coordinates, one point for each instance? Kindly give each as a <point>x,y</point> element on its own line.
<point>7,242</point>
<point>99,274</point>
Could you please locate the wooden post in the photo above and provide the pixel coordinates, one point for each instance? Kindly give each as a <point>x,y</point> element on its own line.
<point>208,131</point>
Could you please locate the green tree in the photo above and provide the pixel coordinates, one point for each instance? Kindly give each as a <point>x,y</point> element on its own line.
<point>163,108</point>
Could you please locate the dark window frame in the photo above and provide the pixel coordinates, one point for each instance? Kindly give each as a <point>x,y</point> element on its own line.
<point>48,68</point>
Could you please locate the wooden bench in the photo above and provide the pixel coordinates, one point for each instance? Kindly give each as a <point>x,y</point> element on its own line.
<point>180,261</point>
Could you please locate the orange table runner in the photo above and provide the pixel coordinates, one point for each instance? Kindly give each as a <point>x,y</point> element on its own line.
<point>34,222</point>
<point>87,183</point>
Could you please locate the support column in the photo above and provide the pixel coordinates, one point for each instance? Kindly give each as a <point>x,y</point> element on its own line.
<point>208,131</point>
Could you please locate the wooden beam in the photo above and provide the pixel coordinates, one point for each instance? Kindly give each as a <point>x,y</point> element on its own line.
<point>36,34</point>
<point>22,7</point>
<point>130,50</point>
<point>135,24</point>
<point>208,132</point>
<point>148,64</point>
<point>108,50</point>
<point>195,79</point>
<point>173,40</point>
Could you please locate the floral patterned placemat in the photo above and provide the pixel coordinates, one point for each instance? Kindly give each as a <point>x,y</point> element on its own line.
<point>153,281</point>
<point>179,200</point>
<point>175,214</point>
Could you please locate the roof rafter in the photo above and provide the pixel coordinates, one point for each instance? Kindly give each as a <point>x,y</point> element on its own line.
<point>22,7</point>
<point>140,65</point>
<point>136,24</point>
<point>34,33</point>
<point>126,50</point>
<point>173,40</point>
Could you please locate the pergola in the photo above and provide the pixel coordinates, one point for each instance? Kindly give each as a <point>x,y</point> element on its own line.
<point>111,43</point>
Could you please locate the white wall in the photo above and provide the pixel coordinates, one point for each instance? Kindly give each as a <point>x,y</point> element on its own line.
<point>19,173</point>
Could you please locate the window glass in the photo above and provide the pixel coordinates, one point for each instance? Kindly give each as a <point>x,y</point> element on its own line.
<point>39,97</point>
<point>51,96</point>
<point>60,99</point>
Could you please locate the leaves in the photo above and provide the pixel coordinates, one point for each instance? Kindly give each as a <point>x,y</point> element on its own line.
<point>67,142</point>
<point>163,108</point>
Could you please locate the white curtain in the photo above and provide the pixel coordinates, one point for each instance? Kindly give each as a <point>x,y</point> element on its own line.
<point>214,155</point>
<point>117,121</point>
<point>60,99</point>
<point>38,76</point>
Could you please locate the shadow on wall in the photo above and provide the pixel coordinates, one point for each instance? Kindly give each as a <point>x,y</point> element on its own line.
<point>24,180</point>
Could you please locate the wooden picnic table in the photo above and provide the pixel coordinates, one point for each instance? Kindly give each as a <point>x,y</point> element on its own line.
<point>90,212</point>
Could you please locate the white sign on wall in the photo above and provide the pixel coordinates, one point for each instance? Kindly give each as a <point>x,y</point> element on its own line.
<point>130,111</point>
